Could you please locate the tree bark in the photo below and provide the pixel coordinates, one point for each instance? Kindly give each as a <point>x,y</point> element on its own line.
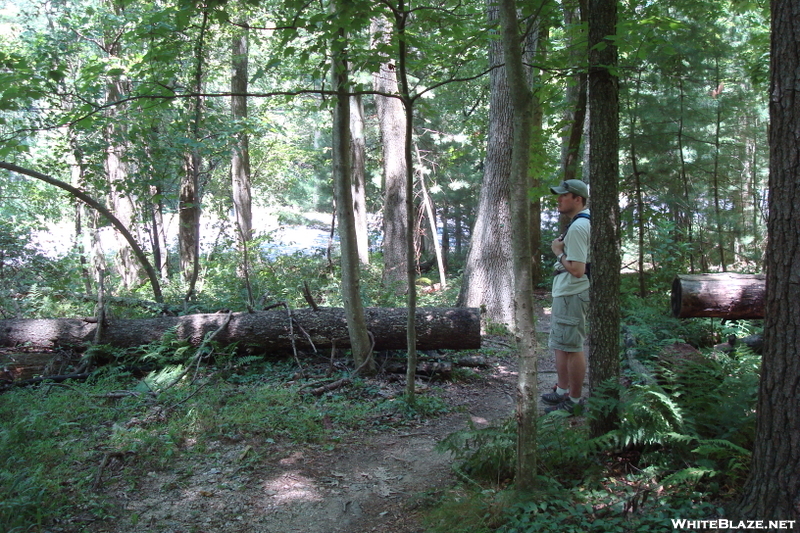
<point>575,96</point>
<point>351,286</point>
<point>358,153</point>
<point>638,188</point>
<point>604,170</point>
<point>401,18</point>
<point>189,201</point>
<point>189,221</point>
<point>392,124</point>
<point>684,215</point>
<point>716,181</point>
<point>527,382</point>
<point>489,271</point>
<point>158,236</point>
<point>535,54</point>
<point>240,161</point>
<point>265,331</point>
<point>772,491</point>
<point>78,169</point>
<point>727,295</point>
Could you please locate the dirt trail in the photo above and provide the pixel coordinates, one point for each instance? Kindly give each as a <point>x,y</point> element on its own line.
<point>373,482</point>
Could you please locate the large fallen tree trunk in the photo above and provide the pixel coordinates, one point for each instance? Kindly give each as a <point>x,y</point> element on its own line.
<point>725,295</point>
<point>266,331</point>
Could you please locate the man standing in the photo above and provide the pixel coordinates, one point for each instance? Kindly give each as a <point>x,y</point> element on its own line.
<point>570,297</point>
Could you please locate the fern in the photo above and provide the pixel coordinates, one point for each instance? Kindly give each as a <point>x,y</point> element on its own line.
<point>670,426</point>
<point>487,454</point>
<point>720,392</point>
<point>249,359</point>
<point>688,476</point>
<point>717,446</point>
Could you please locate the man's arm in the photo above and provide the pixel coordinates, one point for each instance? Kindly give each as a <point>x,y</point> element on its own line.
<point>575,268</point>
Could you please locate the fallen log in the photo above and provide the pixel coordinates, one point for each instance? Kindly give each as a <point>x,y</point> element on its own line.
<point>265,331</point>
<point>726,295</point>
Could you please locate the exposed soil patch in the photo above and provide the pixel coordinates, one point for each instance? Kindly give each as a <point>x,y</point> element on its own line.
<point>376,481</point>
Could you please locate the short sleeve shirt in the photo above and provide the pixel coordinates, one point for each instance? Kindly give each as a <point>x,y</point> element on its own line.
<point>576,248</point>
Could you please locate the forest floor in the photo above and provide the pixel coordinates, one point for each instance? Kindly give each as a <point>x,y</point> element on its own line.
<point>372,482</point>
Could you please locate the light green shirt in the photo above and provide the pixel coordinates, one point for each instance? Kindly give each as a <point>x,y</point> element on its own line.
<point>576,248</point>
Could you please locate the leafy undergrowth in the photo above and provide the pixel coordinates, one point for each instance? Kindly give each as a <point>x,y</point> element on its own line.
<point>58,441</point>
<point>681,450</point>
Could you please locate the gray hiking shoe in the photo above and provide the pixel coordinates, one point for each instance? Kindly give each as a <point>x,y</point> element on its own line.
<point>553,398</point>
<point>566,406</point>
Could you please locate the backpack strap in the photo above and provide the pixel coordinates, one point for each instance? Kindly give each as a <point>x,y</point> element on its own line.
<point>579,215</point>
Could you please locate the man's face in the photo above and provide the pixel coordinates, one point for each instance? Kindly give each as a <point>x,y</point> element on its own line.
<point>569,203</point>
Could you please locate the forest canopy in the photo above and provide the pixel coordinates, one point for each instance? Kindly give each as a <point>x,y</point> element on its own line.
<point>137,105</point>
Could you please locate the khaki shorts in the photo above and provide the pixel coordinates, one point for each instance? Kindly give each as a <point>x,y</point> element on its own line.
<point>568,322</point>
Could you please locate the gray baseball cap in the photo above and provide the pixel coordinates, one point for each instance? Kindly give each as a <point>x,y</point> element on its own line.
<point>574,186</point>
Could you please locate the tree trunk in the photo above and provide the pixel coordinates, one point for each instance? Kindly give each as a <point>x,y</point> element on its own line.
<point>427,204</point>
<point>401,20</point>
<point>392,124</point>
<point>77,170</point>
<point>445,233</point>
<point>527,383</point>
<point>716,185</point>
<point>685,215</point>
<point>604,170</point>
<point>536,53</point>
<point>79,249</point>
<point>351,286</point>
<point>240,161</point>
<point>120,196</point>
<point>158,236</point>
<point>488,279</point>
<point>638,187</point>
<point>266,331</point>
<point>189,221</point>
<point>358,153</point>
<point>575,96</point>
<point>772,491</point>
<point>728,295</point>
<point>189,200</point>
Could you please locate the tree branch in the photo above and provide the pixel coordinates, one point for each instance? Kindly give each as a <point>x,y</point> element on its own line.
<point>137,250</point>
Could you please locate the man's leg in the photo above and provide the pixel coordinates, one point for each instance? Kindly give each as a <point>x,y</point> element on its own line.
<point>571,369</point>
<point>576,365</point>
<point>562,369</point>
<point>568,327</point>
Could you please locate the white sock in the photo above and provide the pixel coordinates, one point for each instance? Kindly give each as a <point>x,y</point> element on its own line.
<point>575,400</point>
<point>560,391</point>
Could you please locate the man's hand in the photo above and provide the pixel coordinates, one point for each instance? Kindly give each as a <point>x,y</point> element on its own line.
<point>557,246</point>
